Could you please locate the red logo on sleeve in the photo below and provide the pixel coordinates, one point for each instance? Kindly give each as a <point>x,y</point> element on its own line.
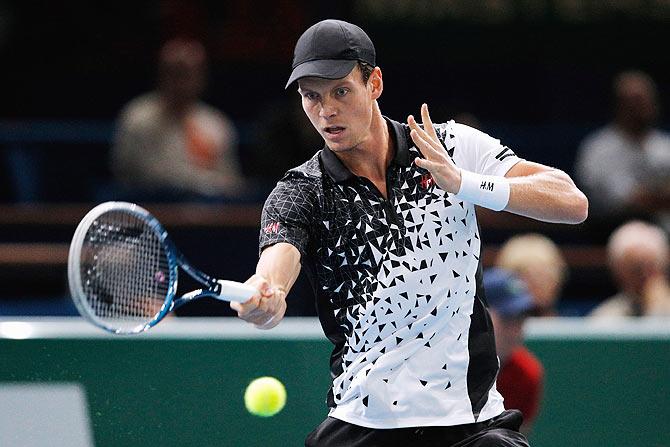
<point>272,228</point>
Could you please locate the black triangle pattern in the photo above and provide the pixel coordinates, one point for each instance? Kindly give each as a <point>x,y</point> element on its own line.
<point>388,269</point>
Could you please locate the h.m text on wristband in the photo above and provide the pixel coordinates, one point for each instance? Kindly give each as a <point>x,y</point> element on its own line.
<point>489,191</point>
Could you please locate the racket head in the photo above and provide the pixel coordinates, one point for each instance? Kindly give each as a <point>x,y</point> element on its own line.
<point>122,268</point>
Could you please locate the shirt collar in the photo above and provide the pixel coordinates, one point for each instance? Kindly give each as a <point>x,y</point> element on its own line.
<point>399,134</point>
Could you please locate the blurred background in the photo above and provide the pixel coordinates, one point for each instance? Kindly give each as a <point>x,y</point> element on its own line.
<point>536,74</point>
<point>180,106</point>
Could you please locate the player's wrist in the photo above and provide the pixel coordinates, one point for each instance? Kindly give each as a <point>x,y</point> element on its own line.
<point>457,181</point>
<point>488,191</point>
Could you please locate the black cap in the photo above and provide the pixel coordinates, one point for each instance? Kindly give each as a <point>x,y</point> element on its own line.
<point>330,49</point>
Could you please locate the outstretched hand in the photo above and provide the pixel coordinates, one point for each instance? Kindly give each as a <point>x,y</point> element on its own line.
<point>436,161</point>
<point>266,308</point>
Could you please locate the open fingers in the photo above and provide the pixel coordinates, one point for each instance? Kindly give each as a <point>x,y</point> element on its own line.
<point>429,148</point>
<point>425,140</point>
<point>413,124</point>
<point>427,123</point>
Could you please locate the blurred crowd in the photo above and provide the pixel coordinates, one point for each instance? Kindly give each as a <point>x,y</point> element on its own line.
<point>169,145</point>
<point>624,167</point>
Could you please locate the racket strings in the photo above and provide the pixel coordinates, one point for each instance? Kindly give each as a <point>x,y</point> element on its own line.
<point>125,271</point>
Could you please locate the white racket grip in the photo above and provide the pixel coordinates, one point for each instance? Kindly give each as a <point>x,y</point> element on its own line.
<point>236,291</point>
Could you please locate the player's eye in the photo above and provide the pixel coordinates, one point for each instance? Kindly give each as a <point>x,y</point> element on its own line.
<point>311,96</point>
<point>340,92</point>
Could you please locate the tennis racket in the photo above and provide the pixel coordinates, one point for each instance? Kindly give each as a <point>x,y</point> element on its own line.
<point>122,270</point>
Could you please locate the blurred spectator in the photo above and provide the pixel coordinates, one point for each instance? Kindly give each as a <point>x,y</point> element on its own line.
<point>540,264</point>
<point>171,145</point>
<point>638,256</point>
<point>521,376</point>
<point>625,166</point>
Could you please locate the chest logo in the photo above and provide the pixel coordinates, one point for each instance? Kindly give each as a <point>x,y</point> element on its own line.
<point>427,181</point>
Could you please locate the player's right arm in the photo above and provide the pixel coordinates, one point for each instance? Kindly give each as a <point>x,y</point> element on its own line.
<point>284,234</point>
<point>276,272</point>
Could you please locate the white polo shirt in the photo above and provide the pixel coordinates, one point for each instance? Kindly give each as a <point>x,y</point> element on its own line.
<point>397,282</point>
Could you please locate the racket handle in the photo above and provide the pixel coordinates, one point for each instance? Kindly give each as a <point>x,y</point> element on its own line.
<point>236,291</point>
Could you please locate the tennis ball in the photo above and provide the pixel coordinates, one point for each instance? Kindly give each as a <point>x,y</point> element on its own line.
<point>265,396</point>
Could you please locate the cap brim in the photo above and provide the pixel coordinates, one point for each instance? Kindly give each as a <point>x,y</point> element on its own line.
<point>327,69</point>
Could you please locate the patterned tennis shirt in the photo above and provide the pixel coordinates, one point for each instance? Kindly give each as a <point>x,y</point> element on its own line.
<point>397,282</point>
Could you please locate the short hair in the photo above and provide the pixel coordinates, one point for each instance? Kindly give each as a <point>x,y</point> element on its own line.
<point>531,249</point>
<point>637,233</point>
<point>366,70</point>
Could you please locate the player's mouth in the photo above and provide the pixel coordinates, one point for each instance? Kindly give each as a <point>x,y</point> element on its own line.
<point>333,131</point>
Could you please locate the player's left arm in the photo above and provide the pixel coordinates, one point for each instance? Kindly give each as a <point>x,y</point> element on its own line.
<point>528,189</point>
<point>545,194</point>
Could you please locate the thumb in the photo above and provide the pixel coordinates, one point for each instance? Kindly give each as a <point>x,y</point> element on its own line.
<point>261,284</point>
<point>425,164</point>
<point>265,288</point>
<point>237,307</point>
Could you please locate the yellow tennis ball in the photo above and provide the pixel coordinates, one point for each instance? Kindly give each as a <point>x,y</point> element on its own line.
<point>265,396</point>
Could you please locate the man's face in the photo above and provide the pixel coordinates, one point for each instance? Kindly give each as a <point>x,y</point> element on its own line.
<point>635,265</point>
<point>637,103</point>
<point>340,109</point>
<point>543,282</point>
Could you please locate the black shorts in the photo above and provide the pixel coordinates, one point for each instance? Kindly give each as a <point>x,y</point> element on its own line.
<point>501,431</point>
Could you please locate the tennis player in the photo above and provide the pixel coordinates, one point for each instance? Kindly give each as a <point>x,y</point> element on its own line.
<point>383,220</point>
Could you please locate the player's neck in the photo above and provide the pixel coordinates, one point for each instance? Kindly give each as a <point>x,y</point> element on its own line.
<point>373,155</point>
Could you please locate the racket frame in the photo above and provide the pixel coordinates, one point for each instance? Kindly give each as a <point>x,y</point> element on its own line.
<point>74,265</point>
<point>214,288</point>
<point>175,259</point>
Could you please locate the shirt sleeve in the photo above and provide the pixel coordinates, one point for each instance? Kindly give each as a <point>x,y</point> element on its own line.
<point>478,152</point>
<point>287,214</point>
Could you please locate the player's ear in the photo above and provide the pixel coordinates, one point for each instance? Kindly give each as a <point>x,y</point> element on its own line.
<point>376,82</point>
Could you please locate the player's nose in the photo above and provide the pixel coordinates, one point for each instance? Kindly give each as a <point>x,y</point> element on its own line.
<point>327,109</point>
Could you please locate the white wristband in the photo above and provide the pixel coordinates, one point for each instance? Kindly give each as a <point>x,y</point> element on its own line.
<point>489,191</point>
